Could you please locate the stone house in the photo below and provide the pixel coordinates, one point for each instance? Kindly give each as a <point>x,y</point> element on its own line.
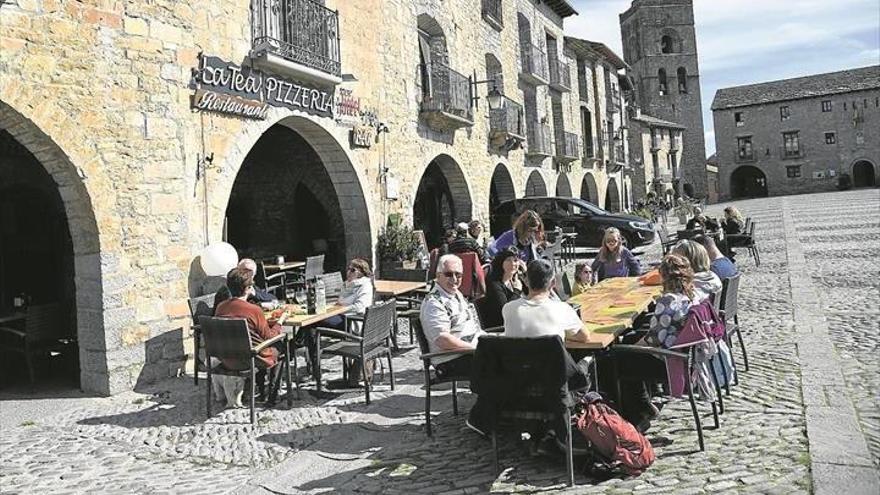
<point>656,148</point>
<point>798,135</point>
<point>139,132</point>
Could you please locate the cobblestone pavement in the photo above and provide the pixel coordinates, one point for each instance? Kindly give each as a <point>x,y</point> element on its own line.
<point>157,439</point>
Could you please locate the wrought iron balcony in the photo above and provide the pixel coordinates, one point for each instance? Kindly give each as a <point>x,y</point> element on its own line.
<point>567,147</point>
<point>539,140</point>
<point>534,64</point>
<point>492,13</point>
<point>300,37</point>
<point>446,102</point>
<point>507,124</point>
<point>560,76</point>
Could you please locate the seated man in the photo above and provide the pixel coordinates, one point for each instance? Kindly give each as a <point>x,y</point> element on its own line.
<point>240,282</point>
<point>260,296</point>
<point>701,221</point>
<point>448,320</point>
<point>464,243</point>
<point>718,263</point>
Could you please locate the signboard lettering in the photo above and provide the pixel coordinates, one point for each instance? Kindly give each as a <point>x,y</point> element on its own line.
<point>362,136</point>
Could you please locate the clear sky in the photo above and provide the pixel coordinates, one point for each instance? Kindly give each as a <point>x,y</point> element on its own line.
<point>750,41</point>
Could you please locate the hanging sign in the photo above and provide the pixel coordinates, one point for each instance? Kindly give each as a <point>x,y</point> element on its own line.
<point>362,136</point>
<point>244,91</point>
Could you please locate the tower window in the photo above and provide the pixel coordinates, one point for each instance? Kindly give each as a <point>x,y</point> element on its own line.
<point>661,79</point>
<point>739,119</point>
<point>826,105</point>
<point>682,80</point>
<point>666,44</point>
<point>784,112</point>
<point>830,138</point>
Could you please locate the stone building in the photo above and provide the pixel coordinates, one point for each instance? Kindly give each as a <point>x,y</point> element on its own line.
<point>798,135</point>
<point>660,46</point>
<point>602,108</point>
<point>136,133</point>
<point>656,150</point>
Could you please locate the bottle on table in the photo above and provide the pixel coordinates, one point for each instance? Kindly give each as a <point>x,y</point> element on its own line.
<point>310,298</point>
<point>320,296</point>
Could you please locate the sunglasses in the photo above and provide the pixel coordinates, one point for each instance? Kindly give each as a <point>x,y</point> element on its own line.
<point>453,274</point>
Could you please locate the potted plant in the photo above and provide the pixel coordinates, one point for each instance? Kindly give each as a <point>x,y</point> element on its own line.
<point>397,246</point>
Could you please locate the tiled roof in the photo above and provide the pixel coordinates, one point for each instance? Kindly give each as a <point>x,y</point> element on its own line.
<point>654,121</point>
<point>561,7</point>
<point>589,48</point>
<point>844,81</point>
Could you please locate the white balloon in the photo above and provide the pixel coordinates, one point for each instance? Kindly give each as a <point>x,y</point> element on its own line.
<point>218,258</point>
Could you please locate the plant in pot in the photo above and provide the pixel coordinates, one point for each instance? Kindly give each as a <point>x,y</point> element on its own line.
<point>397,246</point>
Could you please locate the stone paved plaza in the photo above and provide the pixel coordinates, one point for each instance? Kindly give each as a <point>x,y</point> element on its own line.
<point>804,418</point>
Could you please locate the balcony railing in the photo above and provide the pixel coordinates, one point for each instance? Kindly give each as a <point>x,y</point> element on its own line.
<point>492,13</point>
<point>743,156</point>
<point>539,140</point>
<point>560,76</point>
<point>447,100</point>
<point>534,64</point>
<point>567,147</point>
<point>791,153</point>
<point>507,122</point>
<point>303,33</point>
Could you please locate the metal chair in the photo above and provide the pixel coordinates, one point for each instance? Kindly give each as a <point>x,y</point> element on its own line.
<point>314,266</point>
<point>728,311</point>
<point>371,344</point>
<point>40,334</point>
<point>229,340</point>
<point>432,378</point>
<point>332,285</point>
<point>275,283</point>
<point>524,379</point>
<point>667,241</point>
<point>199,306</point>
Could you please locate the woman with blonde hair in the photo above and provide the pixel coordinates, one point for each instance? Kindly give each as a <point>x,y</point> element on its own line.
<point>705,282</point>
<point>733,221</point>
<point>614,259</point>
<point>527,235</point>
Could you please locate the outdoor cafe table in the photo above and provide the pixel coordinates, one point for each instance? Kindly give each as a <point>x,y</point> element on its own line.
<point>394,288</point>
<point>289,265</point>
<point>610,307</point>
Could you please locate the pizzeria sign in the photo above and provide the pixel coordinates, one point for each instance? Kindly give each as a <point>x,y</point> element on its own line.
<point>224,87</point>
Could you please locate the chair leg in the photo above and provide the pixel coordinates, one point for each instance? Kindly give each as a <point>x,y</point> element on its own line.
<point>367,384</point>
<point>742,346</point>
<point>732,362</point>
<point>715,415</point>
<point>566,420</point>
<point>197,344</point>
<point>210,388</point>
<point>410,320</point>
<point>726,378</point>
<point>694,403</point>
<point>253,394</point>
<point>288,375</point>
<point>390,370</point>
<point>454,399</point>
<point>428,400</point>
<point>316,367</point>
<point>495,450</point>
<point>719,396</point>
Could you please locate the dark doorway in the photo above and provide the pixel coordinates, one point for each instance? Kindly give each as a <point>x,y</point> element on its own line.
<point>748,182</point>
<point>689,190</point>
<point>589,191</point>
<point>36,266</point>
<point>612,197</point>
<point>535,185</point>
<point>501,189</point>
<point>284,202</point>
<point>863,174</point>
<point>434,209</point>
<point>563,187</point>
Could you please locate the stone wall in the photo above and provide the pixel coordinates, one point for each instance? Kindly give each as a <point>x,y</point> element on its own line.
<point>99,93</point>
<point>820,163</point>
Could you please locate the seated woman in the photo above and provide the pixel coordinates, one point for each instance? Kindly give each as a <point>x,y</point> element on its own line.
<point>503,285</point>
<point>615,260</point>
<point>701,221</point>
<point>706,282</point>
<point>583,278</point>
<point>527,235</point>
<point>733,222</point>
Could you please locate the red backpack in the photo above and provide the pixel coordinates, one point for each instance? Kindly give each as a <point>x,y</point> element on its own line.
<point>614,438</point>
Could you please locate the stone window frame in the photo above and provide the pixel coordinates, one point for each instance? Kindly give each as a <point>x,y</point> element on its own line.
<point>827,105</point>
<point>793,171</point>
<point>739,119</point>
<point>745,148</point>
<point>784,112</point>
<point>830,137</point>
<point>791,143</point>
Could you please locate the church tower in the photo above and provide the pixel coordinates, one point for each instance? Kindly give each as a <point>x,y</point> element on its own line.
<point>660,44</point>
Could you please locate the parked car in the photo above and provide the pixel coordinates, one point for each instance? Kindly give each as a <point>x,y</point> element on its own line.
<point>574,215</point>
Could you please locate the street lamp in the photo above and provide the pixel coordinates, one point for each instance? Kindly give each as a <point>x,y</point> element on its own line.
<point>494,97</point>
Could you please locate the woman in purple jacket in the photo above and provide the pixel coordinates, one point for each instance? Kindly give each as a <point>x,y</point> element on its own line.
<point>614,259</point>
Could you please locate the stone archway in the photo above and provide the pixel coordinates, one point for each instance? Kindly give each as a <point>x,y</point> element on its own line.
<point>535,185</point>
<point>501,188</point>
<point>442,199</point>
<point>88,301</point>
<point>332,178</point>
<point>612,196</point>
<point>589,189</point>
<point>748,182</point>
<point>864,174</point>
<point>563,187</point>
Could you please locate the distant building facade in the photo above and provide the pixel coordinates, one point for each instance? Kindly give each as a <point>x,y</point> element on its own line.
<point>798,135</point>
<point>659,43</point>
<point>656,149</point>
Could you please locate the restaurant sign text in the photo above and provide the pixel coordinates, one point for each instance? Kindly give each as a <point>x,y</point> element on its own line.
<point>244,91</point>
